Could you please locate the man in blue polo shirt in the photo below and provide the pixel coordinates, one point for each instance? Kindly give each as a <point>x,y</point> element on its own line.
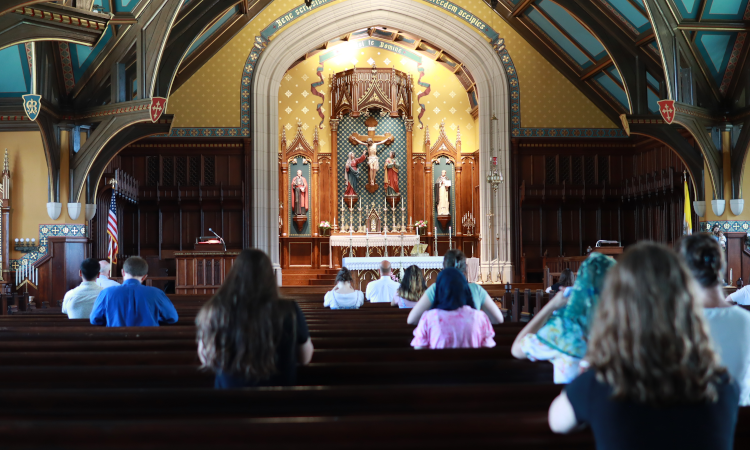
<point>133,304</point>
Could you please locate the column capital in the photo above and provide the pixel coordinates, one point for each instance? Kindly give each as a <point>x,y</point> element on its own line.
<point>334,124</point>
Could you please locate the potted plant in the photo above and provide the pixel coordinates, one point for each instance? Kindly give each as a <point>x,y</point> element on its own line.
<point>325,228</point>
<point>421,226</point>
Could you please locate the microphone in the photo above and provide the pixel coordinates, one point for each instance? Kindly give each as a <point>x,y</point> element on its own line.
<point>220,238</point>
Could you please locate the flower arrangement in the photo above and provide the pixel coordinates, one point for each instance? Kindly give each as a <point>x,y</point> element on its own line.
<point>420,224</point>
<point>325,228</point>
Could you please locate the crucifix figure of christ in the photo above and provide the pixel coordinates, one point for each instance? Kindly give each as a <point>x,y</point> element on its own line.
<point>371,141</point>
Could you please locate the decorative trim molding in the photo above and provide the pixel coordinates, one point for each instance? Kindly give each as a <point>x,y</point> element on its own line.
<point>726,225</point>
<point>48,231</point>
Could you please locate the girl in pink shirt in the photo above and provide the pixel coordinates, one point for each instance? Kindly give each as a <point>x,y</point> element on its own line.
<point>453,322</point>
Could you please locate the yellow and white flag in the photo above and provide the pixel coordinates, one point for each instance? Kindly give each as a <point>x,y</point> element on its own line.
<point>687,223</point>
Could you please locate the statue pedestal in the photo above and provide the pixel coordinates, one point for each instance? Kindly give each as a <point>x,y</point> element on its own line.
<point>299,222</point>
<point>393,200</point>
<point>444,221</point>
<point>372,188</point>
<point>351,200</point>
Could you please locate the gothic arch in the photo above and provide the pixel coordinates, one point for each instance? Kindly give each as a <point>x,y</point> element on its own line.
<point>452,34</point>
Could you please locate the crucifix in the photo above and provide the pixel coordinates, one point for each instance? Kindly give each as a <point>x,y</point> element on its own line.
<point>371,142</point>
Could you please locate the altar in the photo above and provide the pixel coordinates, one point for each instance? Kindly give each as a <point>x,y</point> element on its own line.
<point>365,269</point>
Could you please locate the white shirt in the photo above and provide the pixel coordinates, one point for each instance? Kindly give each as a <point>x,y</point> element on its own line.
<point>105,282</point>
<point>382,290</point>
<point>741,297</point>
<point>79,301</point>
<point>730,331</point>
<point>352,300</point>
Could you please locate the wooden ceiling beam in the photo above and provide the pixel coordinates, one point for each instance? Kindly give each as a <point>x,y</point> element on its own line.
<point>521,8</point>
<point>598,67</point>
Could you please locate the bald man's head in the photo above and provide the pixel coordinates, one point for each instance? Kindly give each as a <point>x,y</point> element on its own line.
<point>385,268</point>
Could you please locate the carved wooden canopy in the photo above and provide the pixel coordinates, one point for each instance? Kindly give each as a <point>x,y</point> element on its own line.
<point>442,147</point>
<point>356,90</point>
<point>299,145</point>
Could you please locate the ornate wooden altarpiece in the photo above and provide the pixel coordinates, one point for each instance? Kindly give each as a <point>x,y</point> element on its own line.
<point>299,148</point>
<point>355,92</point>
<point>443,148</point>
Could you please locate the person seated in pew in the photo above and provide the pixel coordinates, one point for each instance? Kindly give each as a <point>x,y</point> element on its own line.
<point>382,290</point>
<point>103,279</point>
<point>411,289</point>
<point>654,381</point>
<point>565,280</point>
<point>729,324</point>
<point>453,322</point>
<point>343,295</point>
<point>79,301</point>
<point>132,304</point>
<point>248,335</point>
<point>558,332</point>
<point>482,300</point>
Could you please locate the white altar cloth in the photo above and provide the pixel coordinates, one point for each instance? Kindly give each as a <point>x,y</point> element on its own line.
<point>397,262</point>
<point>374,240</point>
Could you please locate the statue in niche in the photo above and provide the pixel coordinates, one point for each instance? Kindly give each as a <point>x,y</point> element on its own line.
<point>442,191</point>
<point>352,173</point>
<point>390,182</point>
<point>300,195</point>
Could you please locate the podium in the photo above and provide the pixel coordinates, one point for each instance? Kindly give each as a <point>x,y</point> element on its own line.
<point>202,272</point>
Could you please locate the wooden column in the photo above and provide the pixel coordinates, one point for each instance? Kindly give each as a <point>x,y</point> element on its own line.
<point>428,195</point>
<point>284,197</point>
<point>428,182</point>
<point>457,219</point>
<point>409,177</point>
<point>333,199</point>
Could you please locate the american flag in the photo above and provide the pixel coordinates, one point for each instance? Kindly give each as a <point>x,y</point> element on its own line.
<point>112,229</point>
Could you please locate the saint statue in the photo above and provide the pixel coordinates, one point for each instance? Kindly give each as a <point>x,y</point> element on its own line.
<point>391,175</point>
<point>300,195</point>
<point>442,187</point>
<point>372,159</point>
<point>352,172</point>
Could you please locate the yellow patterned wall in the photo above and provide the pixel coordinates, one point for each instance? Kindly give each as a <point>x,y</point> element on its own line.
<point>28,190</point>
<point>210,98</point>
<point>447,99</point>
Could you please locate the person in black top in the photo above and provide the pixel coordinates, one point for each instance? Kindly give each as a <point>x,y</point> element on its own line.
<point>565,280</point>
<point>249,336</point>
<point>654,381</point>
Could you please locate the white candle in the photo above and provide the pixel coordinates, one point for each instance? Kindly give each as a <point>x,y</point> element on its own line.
<point>450,231</point>
<point>417,231</point>
<point>730,275</point>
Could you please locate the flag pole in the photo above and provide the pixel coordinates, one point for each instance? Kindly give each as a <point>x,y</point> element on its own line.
<point>113,183</point>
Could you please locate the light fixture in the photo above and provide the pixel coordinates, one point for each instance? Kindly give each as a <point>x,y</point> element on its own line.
<point>308,3</point>
<point>493,4</point>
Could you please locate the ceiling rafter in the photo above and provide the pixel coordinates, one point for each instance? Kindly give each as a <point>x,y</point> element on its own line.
<point>560,61</point>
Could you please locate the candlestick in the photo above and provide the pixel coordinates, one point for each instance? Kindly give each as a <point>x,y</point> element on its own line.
<point>434,241</point>
<point>450,239</point>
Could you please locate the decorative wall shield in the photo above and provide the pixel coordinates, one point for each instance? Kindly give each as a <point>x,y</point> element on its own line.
<point>32,103</point>
<point>158,106</point>
<point>666,108</point>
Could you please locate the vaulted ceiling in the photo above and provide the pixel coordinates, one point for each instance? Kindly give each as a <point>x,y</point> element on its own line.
<point>592,42</point>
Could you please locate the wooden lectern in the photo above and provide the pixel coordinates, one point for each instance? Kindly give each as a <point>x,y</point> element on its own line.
<point>202,272</point>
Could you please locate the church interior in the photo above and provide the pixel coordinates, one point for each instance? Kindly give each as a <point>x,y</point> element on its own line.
<point>330,134</point>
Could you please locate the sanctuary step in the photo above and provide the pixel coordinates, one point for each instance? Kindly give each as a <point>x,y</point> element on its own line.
<point>308,277</point>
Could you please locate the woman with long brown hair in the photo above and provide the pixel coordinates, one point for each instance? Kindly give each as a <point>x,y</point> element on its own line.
<point>411,289</point>
<point>654,380</point>
<point>249,336</point>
